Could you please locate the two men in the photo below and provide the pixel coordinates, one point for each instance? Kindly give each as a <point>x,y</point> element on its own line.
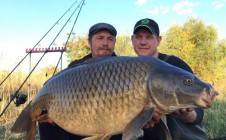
<point>184,124</point>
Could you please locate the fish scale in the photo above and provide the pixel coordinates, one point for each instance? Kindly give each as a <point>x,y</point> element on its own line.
<point>110,84</point>
<point>106,96</point>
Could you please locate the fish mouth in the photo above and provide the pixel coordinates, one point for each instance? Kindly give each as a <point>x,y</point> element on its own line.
<point>208,101</point>
<point>214,95</point>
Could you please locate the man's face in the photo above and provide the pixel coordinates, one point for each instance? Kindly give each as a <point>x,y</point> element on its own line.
<point>145,43</point>
<point>102,43</point>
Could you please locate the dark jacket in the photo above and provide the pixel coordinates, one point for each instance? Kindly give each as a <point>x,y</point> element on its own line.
<point>79,61</point>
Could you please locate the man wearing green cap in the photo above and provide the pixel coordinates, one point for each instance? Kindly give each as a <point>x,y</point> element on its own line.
<point>185,124</point>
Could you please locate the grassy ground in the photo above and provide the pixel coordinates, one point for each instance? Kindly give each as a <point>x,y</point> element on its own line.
<point>215,119</point>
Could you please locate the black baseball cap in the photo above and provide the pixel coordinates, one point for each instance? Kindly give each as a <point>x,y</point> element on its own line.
<point>102,26</point>
<point>150,24</point>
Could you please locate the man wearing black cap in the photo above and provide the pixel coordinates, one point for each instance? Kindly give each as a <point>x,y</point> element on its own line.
<point>185,124</point>
<point>101,38</point>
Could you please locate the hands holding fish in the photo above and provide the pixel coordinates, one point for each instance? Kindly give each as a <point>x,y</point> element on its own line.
<point>155,119</point>
<point>187,115</point>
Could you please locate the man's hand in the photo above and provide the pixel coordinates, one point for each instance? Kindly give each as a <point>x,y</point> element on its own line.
<point>187,115</point>
<point>43,118</point>
<point>155,119</point>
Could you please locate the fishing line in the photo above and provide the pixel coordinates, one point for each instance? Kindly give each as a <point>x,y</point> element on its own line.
<point>69,35</point>
<point>37,43</point>
<point>16,93</point>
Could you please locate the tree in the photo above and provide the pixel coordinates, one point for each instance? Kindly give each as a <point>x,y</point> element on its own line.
<point>221,51</point>
<point>77,48</point>
<point>176,42</point>
<point>124,47</point>
<point>196,44</point>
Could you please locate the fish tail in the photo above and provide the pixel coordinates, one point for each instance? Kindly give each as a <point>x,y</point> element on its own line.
<point>24,123</point>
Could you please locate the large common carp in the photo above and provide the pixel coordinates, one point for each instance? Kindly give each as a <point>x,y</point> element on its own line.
<point>112,95</point>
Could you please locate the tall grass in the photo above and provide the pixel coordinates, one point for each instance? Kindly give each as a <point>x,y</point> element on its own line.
<point>215,118</point>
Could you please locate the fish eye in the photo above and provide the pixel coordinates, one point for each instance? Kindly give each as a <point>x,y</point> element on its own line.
<point>188,80</point>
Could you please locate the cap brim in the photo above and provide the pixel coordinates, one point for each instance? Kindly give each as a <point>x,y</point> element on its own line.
<point>105,28</point>
<point>102,26</point>
<point>144,26</point>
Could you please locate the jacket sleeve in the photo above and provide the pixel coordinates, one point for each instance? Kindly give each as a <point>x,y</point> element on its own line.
<point>199,118</point>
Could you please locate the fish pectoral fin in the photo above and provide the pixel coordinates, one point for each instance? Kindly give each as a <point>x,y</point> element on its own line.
<point>99,137</point>
<point>165,127</point>
<point>135,126</point>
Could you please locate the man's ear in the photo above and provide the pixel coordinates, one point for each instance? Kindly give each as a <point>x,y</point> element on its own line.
<point>132,36</point>
<point>89,41</point>
<point>159,39</point>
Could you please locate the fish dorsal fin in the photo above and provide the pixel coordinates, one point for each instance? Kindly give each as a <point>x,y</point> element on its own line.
<point>165,127</point>
<point>137,123</point>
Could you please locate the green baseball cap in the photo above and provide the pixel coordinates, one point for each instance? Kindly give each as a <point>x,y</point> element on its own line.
<point>150,24</point>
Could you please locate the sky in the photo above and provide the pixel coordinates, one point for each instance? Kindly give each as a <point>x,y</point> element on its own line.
<point>24,22</point>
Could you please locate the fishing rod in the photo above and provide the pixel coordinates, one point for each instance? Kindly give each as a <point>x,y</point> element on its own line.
<point>38,43</point>
<point>16,94</point>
